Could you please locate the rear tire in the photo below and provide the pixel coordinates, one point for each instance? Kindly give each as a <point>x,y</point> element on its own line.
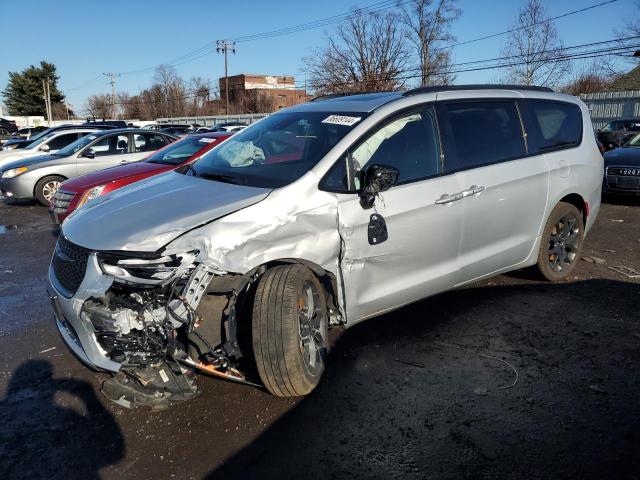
<point>561,242</point>
<point>46,187</point>
<point>289,330</point>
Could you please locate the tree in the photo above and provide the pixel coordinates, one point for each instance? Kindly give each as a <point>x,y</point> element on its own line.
<point>534,49</point>
<point>366,54</point>
<point>428,28</point>
<point>590,79</point>
<point>99,106</point>
<point>24,94</point>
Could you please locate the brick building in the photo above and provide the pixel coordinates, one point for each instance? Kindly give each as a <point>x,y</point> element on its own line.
<point>261,93</point>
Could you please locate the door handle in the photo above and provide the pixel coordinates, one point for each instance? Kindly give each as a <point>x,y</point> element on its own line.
<point>122,162</point>
<point>472,190</point>
<point>446,198</point>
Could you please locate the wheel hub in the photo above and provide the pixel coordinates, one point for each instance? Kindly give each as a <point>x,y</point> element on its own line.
<point>312,326</point>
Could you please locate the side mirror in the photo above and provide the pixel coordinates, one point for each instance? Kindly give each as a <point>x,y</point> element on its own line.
<point>89,153</point>
<point>44,148</point>
<point>377,178</point>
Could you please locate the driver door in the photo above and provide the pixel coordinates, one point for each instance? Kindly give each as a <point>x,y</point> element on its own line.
<point>420,256</point>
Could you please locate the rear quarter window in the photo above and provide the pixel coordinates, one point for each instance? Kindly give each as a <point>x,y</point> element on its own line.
<point>553,125</point>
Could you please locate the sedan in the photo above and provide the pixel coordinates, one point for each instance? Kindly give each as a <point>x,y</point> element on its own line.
<point>39,177</point>
<point>622,168</point>
<point>73,194</point>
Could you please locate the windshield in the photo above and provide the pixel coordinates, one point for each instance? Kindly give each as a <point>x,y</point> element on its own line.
<point>41,140</point>
<point>75,146</point>
<point>634,141</point>
<point>182,150</point>
<point>277,150</point>
<point>40,135</point>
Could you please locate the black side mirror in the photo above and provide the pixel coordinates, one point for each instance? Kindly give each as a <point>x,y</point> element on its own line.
<point>89,153</point>
<point>377,178</point>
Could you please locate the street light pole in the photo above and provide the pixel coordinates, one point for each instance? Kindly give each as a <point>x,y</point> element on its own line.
<point>224,46</point>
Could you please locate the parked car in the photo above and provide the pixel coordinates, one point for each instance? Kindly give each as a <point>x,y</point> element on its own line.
<point>322,215</point>
<point>14,143</point>
<point>622,168</point>
<point>228,127</point>
<point>178,130</point>
<point>75,193</point>
<point>39,177</point>
<point>46,144</point>
<point>618,132</point>
<point>7,127</point>
<point>28,132</point>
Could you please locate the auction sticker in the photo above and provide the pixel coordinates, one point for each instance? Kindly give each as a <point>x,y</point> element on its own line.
<point>341,120</point>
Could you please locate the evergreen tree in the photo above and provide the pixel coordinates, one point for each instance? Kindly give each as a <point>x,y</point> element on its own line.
<point>24,94</point>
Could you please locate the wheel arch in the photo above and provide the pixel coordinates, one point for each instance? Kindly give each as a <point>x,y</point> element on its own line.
<point>579,202</point>
<point>35,184</point>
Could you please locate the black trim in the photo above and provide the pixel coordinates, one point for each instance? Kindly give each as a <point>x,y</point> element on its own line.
<point>455,88</point>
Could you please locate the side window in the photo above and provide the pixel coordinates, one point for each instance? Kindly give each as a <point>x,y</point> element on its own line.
<point>555,125</point>
<point>148,142</point>
<point>62,141</point>
<point>111,145</point>
<point>483,133</point>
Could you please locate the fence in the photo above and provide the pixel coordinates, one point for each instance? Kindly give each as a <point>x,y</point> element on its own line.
<point>607,106</point>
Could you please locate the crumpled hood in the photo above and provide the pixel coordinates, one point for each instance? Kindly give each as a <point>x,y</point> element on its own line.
<point>623,156</point>
<point>146,215</point>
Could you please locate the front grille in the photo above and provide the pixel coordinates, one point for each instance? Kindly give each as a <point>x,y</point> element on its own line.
<point>624,171</point>
<point>61,201</point>
<point>69,265</point>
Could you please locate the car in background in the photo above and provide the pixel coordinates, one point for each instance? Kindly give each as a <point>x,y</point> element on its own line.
<point>73,194</point>
<point>14,143</point>
<point>7,127</point>
<point>622,168</point>
<point>228,127</point>
<point>39,177</point>
<point>48,143</point>
<point>618,132</point>
<point>179,130</point>
<point>28,132</point>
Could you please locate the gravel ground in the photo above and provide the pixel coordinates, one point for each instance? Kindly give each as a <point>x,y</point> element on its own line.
<point>429,391</point>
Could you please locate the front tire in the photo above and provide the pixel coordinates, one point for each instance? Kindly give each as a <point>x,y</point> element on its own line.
<point>561,242</point>
<point>289,330</point>
<point>46,188</point>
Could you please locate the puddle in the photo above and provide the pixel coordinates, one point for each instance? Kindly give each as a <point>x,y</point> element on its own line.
<point>6,228</point>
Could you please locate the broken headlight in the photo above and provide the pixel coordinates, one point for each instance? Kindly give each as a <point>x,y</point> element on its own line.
<point>149,271</point>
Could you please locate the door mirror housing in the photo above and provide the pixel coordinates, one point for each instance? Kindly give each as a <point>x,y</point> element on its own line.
<point>44,148</point>
<point>89,153</point>
<point>377,178</point>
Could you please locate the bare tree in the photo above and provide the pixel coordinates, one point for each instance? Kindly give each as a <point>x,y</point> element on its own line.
<point>366,53</point>
<point>99,106</point>
<point>428,28</point>
<point>630,28</point>
<point>172,88</point>
<point>534,48</point>
<point>589,79</point>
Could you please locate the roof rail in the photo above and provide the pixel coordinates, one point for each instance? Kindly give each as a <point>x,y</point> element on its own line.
<point>445,88</point>
<point>329,96</point>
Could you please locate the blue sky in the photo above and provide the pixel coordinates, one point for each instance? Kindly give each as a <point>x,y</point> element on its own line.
<point>85,38</point>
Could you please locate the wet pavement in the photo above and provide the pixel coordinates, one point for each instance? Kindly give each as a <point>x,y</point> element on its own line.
<point>510,378</point>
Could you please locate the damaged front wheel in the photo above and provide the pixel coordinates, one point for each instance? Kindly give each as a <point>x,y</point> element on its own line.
<point>290,330</point>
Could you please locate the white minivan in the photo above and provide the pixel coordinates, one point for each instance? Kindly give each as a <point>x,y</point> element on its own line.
<point>321,215</point>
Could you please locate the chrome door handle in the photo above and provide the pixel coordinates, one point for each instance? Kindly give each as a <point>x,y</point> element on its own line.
<point>446,198</point>
<point>472,190</point>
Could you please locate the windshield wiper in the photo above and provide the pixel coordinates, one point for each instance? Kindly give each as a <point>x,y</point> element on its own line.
<point>219,177</point>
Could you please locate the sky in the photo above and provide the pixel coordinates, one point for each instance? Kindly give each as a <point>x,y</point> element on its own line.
<point>85,39</point>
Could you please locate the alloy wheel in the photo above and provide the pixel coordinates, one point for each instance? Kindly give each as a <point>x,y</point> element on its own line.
<point>312,327</point>
<point>564,243</point>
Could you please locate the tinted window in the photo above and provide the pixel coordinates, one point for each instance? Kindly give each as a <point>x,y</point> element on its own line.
<point>555,125</point>
<point>148,142</point>
<point>111,145</point>
<point>62,141</point>
<point>482,133</point>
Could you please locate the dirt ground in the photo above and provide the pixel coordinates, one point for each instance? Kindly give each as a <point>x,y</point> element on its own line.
<point>511,378</point>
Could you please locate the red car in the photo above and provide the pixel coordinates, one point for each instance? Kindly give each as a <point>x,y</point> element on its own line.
<point>73,194</point>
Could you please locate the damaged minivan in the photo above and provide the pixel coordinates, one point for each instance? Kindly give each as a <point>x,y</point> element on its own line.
<point>313,219</point>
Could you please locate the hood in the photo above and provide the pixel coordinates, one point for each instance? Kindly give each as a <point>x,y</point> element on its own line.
<point>146,215</point>
<point>25,162</point>
<point>623,156</point>
<point>101,177</point>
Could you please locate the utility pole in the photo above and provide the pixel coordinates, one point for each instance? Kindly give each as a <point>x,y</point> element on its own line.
<point>224,46</point>
<point>112,81</point>
<point>46,96</point>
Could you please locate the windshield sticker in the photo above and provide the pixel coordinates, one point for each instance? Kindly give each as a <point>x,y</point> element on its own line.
<point>207,140</point>
<point>341,120</point>
<point>92,137</point>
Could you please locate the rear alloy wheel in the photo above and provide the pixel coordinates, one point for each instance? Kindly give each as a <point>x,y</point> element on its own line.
<point>289,330</point>
<point>561,242</point>
<point>46,189</point>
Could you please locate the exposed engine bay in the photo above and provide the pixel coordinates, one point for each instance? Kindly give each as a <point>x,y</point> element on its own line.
<point>162,318</point>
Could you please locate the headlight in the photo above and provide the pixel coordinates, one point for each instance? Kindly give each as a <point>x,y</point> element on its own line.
<point>14,172</point>
<point>11,147</point>
<point>90,194</point>
<point>149,271</point>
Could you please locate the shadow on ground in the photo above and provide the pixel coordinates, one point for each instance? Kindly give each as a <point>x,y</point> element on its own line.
<point>39,438</point>
<point>574,412</point>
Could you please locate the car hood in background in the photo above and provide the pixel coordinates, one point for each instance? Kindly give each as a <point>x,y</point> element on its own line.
<point>147,215</point>
<point>101,177</point>
<point>623,156</point>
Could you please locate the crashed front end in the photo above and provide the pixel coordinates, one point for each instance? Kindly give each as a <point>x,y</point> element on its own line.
<point>139,315</point>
